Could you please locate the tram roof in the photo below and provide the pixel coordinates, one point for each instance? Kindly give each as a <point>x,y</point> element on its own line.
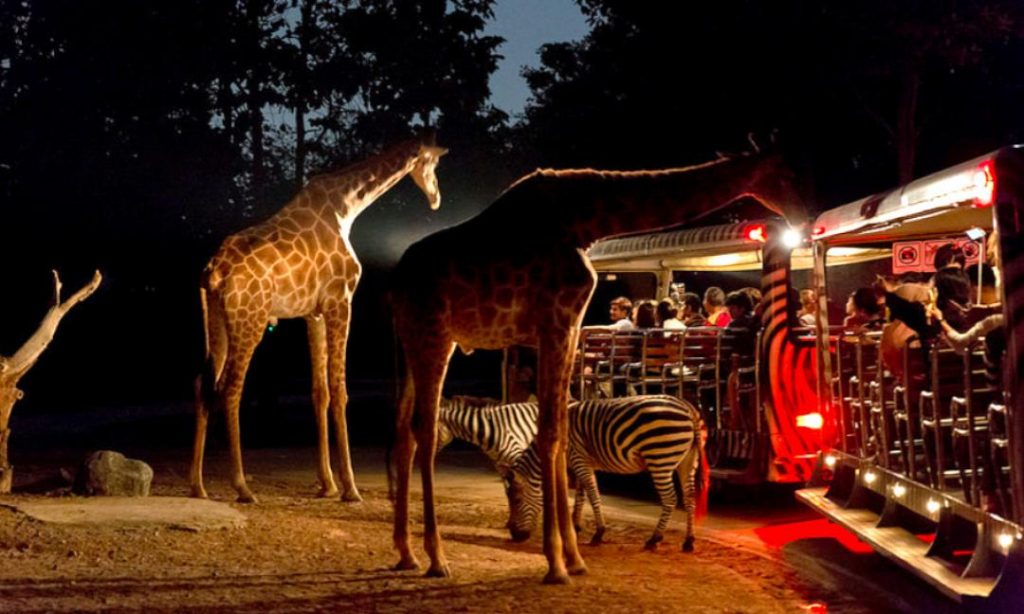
<point>726,247</point>
<point>943,203</point>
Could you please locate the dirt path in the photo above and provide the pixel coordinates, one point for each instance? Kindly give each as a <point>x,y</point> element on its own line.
<point>297,553</point>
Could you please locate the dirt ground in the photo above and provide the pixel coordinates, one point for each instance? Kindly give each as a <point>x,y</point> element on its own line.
<point>297,553</point>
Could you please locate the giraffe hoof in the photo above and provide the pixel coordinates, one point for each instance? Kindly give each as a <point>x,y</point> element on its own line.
<point>327,493</point>
<point>406,564</point>
<point>578,569</point>
<point>596,540</point>
<point>557,576</point>
<point>352,496</point>
<point>198,492</point>
<point>688,545</point>
<point>246,497</point>
<point>440,570</point>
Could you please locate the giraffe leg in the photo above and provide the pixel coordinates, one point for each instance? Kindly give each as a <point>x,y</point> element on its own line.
<point>555,361</point>
<point>317,330</point>
<point>429,376</point>
<point>337,342</point>
<point>243,342</point>
<point>404,449</point>
<point>206,385</point>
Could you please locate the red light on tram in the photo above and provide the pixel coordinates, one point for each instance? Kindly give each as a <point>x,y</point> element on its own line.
<point>758,232</point>
<point>818,230</point>
<point>984,180</point>
<point>810,421</point>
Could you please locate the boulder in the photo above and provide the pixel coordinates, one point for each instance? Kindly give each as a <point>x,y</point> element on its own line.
<point>109,473</point>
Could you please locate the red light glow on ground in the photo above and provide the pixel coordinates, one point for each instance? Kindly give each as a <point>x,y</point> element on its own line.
<point>779,535</point>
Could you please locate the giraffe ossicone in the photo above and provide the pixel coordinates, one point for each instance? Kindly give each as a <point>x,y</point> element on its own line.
<point>518,274</point>
<point>299,263</point>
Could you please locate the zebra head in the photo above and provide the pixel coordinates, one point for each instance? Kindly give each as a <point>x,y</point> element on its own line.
<point>525,499</point>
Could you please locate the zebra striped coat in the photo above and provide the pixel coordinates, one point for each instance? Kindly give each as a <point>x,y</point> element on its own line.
<point>624,435</point>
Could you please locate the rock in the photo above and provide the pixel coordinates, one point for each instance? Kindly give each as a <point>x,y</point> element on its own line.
<point>109,473</point>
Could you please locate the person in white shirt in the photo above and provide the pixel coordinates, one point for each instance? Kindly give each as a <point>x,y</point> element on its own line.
<point>620,311</point>
<point>668,315</point>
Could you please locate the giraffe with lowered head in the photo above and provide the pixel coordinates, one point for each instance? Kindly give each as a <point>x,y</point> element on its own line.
<point>518,274</point>
<point>298,263</point>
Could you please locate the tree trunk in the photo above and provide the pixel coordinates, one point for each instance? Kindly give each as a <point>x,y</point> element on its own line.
<point>300,144</point>
<point>14,367</point>
<point>906,127</point>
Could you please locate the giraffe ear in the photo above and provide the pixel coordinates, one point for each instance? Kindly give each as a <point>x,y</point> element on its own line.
<point>441,151</point>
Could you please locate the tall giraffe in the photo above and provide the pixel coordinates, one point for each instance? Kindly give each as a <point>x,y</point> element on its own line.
<point>298,263</point>
<point>517,274</point>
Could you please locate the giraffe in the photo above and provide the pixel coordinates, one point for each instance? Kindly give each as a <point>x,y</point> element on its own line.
<point>298,263</point>
<point>518,274</point>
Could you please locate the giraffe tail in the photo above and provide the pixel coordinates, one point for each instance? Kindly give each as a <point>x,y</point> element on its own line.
<point>205,381</point>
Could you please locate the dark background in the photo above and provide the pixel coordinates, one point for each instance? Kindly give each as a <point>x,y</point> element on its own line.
<point>135,136</point>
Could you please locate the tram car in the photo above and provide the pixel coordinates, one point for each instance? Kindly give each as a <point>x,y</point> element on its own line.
<point>927,466</point>
<point>756,386</point>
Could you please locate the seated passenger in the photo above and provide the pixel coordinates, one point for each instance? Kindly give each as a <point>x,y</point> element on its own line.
<point>714,304</point>
<point>692,315</point>
<point>619,311</point>
<point>644,315</point>
<point>808,313</point>
<point>863,311</point>
<point>668,315</point>
<point>742,328</point>
<point>953,289</point>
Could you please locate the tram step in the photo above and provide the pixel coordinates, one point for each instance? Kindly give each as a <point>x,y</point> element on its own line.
<point>900,546</point>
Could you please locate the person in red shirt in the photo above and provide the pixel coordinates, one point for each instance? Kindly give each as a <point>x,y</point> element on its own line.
<point>714,304</point>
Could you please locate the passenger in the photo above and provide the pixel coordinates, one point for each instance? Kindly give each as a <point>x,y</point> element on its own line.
<point>863,312</point>
<point>808,313</point>
<point>668,315</point>
<point>619,311</point>
<point>691,311</point>
<point>714,304</point>
<point>953,288</point>
<point>742,327</point>
<point>741,334</point>
<point>644,315</point>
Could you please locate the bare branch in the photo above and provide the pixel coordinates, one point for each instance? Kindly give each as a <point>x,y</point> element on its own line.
<point>22,360</point>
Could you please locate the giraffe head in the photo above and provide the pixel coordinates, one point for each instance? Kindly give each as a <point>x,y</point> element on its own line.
<point>423,171</point>
<point>774,184</point>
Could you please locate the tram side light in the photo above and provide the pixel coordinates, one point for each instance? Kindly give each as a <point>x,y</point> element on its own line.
<point>810,421</point>
<point>898,490</point>
<point>1005,540</point>
<point>870,477</point>
<point>792,238</point>
<point>830,461</point>
<point>984,181</point>
<point>932,506</point>
<point>758,233</point>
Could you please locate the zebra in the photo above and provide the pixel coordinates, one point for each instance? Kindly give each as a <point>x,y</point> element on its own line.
<point>502,432</point>
<point>623,435</point>
<point>655,433</point>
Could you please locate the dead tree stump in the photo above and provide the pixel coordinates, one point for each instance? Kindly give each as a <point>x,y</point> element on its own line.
<point>14,367</point>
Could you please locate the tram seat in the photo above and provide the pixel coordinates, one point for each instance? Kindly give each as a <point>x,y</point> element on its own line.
<point>660,368</point>
<point>844,352</point>
<point>906,402</point>
<point>604,356</point>
<point>971,428</point>
<point>701,347</point>
<point>880,408</point>
<point>945,380</point>
<point>999,455</point>
<point>866,364</point>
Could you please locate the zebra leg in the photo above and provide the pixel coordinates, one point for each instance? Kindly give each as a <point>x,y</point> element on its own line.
<point>588,483</point>
<point>577,509</point>
<point>686,471</point>
<point>667,494</point>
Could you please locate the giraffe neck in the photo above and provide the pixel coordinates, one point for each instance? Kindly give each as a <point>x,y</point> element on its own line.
<point>353,188</point>
<point>637,201</point>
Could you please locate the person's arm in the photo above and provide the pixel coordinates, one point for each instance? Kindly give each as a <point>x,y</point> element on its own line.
<point>961,342</point>
<point>910,313</point>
